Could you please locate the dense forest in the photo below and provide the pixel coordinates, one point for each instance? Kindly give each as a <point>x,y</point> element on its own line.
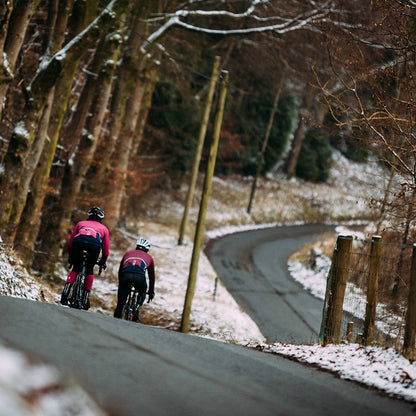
<point>103,100</point>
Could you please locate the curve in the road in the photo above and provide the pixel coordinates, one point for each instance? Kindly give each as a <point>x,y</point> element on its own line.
<point>253,267</point>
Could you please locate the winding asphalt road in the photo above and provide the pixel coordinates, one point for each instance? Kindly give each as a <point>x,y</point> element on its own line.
<point>132,369</point>
<point>253,267</point>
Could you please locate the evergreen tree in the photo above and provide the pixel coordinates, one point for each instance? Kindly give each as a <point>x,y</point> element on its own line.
<point>315,157</point>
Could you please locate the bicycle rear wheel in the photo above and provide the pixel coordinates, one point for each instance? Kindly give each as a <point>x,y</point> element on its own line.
<point>139,299</point>
<point>77,292</point>
<point>127,310</point>
<point>72,294</point>
<point>135,312</point>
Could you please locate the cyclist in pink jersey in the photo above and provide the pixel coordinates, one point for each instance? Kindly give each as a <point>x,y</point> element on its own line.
<point>93,236</point>
<point>132,270</point>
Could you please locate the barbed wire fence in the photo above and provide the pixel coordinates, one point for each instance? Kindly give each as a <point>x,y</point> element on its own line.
<point>371,295</point>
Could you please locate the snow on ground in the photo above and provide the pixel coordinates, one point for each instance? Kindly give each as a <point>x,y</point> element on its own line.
<point>28,388</point>
<point>215,314</point>
<point>16,282</point>
<point>373,366</point>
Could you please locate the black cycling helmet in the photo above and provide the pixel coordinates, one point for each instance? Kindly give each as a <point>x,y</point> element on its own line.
<point>96,213</point>
<point>142,244</point>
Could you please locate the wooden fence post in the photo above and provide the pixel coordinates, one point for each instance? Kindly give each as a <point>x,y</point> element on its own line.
<point>410,325</point>
<point>372,286</point>
<point>334,298</point>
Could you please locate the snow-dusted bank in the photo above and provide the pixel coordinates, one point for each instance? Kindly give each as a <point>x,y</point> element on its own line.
<point>383,369</point>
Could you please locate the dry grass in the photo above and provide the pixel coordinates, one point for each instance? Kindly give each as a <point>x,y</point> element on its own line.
<point>325,243</point>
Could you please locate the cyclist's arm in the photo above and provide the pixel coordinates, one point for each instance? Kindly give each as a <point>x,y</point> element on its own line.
<point>120,269</point>
<point>152,276</point>
<point>106,246</point>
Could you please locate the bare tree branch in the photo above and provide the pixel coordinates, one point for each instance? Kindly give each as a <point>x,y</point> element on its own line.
<point>284,25</point>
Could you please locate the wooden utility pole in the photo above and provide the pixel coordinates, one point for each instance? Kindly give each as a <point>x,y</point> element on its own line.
<point>264,146</point>
<point>201,139</point>
<point>199,233</point>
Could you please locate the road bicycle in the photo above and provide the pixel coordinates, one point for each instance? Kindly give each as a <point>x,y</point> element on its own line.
<point>133,304</point>
<point>77,296</point>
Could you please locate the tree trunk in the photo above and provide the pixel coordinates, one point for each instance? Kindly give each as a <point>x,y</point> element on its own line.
<point>19,21</point>
<point>304,114</point>
<point>26,234</point>
<point>264,146</point>
<point>37,146</point>
<point>6,8</point>
<point>124,82</point>
<point>384,203</point>
<point>297,143</point>
<point>152,77</point>
<point>97,77</point>
<point>120,159</point>
<point>14,164</point>
<point>135,115</point>
<point>19,234</point>
<point>80,18</point>
<point>387,190</point>
<point>109,137</point>
<point>410,216</point>
<point>32,160</point>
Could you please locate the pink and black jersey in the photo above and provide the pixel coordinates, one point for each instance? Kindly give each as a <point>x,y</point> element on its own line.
<point>97,233</point>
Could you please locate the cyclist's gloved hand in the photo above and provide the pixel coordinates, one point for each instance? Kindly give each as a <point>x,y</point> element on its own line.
<point>151,295</point>
<point>102,264</point>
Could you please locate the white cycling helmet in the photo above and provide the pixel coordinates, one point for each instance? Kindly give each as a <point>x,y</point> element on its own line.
<point>142,244</point>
